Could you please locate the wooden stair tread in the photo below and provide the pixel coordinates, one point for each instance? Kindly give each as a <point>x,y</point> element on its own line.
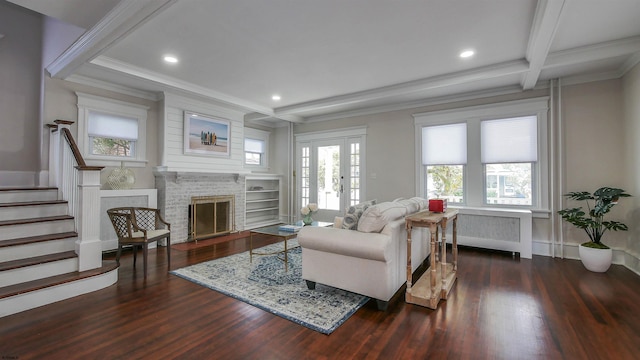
<point>36,239</point>
<point>30,203</point>
<point>27,188</point>
<point>35,220</point>
<point>39,284</point>
<point>36,260</point>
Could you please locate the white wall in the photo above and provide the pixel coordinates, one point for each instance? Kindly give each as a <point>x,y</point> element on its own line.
<point>594,148</point>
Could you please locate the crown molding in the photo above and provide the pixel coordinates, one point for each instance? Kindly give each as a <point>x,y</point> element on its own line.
<point>587,78</point>
<point>174,83</point>
<point>84,80</point>
<point>119,22</point>
<point>630,63</point>
<point>600,51</point>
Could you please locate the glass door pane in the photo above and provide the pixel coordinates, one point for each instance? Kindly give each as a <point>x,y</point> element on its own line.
<point>329,184</point>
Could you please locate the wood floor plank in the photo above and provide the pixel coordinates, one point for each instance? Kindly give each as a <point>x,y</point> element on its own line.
<point>500,308</point>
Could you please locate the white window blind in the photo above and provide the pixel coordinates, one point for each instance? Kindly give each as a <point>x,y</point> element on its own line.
<point>444,144</point>
<point>112,126</point>
<point>254,146</point>
<point>509,140</point>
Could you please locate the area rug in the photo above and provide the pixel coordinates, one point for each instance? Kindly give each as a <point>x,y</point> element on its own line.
<point>265,284</point>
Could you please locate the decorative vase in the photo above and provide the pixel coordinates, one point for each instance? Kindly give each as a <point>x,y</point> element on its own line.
<point>121,178</point>
<point>307,220</point>
<point>596,260</point>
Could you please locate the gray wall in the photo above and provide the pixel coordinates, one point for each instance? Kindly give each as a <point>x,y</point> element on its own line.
<point>20,79</point>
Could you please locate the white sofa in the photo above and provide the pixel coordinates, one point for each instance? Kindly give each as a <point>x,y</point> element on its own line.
<point>371,260</point>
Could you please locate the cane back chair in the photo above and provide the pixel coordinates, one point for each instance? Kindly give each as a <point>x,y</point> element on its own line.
<point>139,226</point>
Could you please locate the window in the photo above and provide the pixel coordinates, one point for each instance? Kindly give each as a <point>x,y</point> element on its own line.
<point>489,155</point>
<point>509,154</point>
<point>111,131</point>
<point>112,135</point>
<point>254,151</point>
<point>444,154</point>
<point>256,143</point>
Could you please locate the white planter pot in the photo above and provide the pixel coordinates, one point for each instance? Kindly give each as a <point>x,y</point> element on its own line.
<point>596,260</point>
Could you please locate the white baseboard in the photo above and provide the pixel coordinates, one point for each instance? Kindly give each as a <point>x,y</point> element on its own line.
<point>620,256</point>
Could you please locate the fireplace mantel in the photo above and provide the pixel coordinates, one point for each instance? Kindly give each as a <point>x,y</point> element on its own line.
<point>175,190</point>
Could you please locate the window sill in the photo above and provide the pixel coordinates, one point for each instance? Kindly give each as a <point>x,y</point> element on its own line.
<point>131,163</point>
<point>535,213</point>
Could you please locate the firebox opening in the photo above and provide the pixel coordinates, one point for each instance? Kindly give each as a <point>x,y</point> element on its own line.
<point>211,216</point>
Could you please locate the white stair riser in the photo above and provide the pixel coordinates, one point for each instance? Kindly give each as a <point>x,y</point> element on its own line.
<point>33,211</point>
<point>19,252</point>
<point>35,229</point>
<point>27,195</point>
<point>36,272</point>
<point>34,299</point>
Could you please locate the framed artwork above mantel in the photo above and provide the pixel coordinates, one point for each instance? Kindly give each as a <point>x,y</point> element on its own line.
<point>206,135</point>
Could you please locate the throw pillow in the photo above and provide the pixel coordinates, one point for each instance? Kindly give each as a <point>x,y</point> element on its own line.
<point>411,205</point>
<point>376,217</point>
<point>424,203</point>
<point>351,218</point>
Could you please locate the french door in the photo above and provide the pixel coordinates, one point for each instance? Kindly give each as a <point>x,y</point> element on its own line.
<point>328,174</point>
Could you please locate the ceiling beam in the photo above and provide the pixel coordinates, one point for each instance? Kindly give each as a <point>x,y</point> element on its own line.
<point>545,25</point>
<point>443,81</point>
<point>119,22</point>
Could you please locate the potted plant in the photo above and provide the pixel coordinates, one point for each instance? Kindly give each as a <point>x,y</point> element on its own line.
<point>595,255</point>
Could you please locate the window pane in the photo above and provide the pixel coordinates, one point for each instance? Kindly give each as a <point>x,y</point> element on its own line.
<point>111,147</point>
<point>446,182</point>
<point>112,126</point>
<point>305,185</point>
<point>508,184</point>
<point>354,175</point>
<point>444,144</point>
<point>252,158</point>
<point>510,140</point>
<point>254,145</point>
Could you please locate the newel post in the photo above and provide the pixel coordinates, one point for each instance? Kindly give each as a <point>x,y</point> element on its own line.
<point>88,245</point>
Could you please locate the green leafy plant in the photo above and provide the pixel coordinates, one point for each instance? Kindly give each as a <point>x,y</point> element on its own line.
<point>592,221</point>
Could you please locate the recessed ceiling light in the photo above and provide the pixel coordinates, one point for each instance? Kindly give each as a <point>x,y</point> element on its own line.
<point>170,59</point>
<point>276,98</point>
<point>467,54</point>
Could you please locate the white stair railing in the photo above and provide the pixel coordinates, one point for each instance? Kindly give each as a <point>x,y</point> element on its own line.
<point>79,185</point>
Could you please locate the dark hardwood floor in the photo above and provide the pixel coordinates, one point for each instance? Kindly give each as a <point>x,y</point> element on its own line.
<point>500,308</point>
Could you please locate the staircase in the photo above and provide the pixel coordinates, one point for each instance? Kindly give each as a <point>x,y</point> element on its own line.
<point>38,260</point>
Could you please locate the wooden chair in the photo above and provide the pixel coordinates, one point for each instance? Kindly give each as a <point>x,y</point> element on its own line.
<point>137,226</point>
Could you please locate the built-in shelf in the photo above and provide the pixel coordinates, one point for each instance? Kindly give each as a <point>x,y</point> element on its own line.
<point>262,201</point>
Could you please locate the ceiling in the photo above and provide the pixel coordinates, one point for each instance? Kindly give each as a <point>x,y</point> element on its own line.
<point>334,58</point>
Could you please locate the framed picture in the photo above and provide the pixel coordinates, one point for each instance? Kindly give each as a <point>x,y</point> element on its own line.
<point>204,135</point>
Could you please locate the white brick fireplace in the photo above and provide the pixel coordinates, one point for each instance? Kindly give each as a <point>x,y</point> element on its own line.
<point>175,190</point>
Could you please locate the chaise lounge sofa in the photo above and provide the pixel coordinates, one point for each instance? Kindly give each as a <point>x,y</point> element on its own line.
<point>366,251</point>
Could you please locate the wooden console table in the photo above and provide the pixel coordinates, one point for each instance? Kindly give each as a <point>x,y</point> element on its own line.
<point>437,281</point>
